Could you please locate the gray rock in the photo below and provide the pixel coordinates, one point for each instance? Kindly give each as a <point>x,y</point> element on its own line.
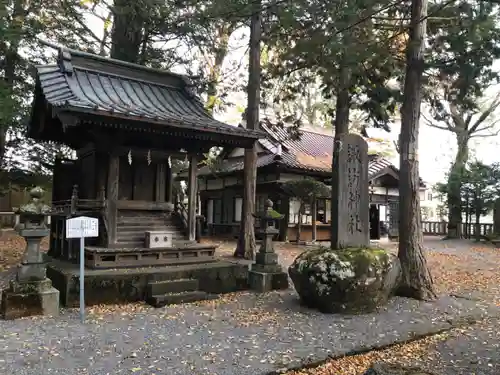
<point>345,281</point>
<point>394,369</point>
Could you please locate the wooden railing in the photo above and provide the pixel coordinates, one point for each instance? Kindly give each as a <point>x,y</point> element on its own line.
<point>434,228</point>
<point>77,205</point>
<point>182,211</point>
<point>440,228</point>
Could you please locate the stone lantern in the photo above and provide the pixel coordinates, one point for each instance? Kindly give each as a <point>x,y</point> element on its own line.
<point>267,274</point>
<point>31,293</point>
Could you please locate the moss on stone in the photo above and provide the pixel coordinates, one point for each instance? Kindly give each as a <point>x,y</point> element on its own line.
<point>355,279</point>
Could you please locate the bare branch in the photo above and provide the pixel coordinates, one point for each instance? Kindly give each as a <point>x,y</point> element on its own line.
<point>433,125</point>
<point>485,114</point>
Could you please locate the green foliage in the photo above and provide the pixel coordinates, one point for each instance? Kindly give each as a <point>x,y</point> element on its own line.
<point>306,189</point>
<point>316,41</point>
<point>463,40</point>
<point>479,187</point>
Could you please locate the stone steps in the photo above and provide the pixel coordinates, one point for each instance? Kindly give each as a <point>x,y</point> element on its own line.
<point>131,228</point>
<point>171,292</point>
<point>172,286</point>
<point>177,298</point>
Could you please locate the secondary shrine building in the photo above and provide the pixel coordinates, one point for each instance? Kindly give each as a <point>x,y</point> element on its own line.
<point>281,159</point>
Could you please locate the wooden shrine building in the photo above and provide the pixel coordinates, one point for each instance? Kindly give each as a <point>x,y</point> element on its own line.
<point>126,123</point>
<point>281,159</point>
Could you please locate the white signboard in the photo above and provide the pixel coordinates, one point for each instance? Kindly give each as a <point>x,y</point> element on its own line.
<point>82,227</point>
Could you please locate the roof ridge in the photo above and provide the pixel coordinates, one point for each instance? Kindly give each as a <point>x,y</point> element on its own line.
<point>77,53</point>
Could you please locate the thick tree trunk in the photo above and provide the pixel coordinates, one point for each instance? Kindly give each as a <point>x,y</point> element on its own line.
<point>10,62</point>
<point>223,34</point>
<point>416,278</point>
<point>467,217</point>
<point>127,32</point>
<point>477,230</point>
<point>246,246</point>
<point>455,187</point>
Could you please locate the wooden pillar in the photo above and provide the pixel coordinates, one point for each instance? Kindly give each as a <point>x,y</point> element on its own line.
<point>112,193</point>
<point>314,228</point>
<point>169,181</point>
<point>161,174</point>
<point>192,196</point>
<point>100,165</point>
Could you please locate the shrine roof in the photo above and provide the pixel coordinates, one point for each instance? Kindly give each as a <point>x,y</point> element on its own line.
<point>311,153</point>
<point>82,83</point>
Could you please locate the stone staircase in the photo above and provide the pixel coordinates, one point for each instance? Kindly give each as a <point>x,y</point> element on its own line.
<point>132,226</point>
<point>171,292</point>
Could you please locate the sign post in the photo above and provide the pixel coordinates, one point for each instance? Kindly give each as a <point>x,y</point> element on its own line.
<point>82,227</point>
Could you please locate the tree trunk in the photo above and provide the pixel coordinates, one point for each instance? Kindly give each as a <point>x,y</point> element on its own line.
<point>455,187</point>
<point>246,246</point>
<point>477,211</point>
<point>224,32</point>
<point>478,226</point>
<point>416,278</point>
<point>467,216</point>
<point>314,228</point>
<point>127,32</point>
<point>10,62</point>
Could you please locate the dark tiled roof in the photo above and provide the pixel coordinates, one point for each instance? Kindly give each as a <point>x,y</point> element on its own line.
<point>88,83</point>
<point>311,152</point>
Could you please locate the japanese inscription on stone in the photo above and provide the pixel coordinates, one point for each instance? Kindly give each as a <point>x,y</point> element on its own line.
<point>352,226</point>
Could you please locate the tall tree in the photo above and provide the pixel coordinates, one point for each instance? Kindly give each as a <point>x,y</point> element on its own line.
<point>463,44</point>
<point>416,278</point>
<point>246,246</point>
<point>20,23</point>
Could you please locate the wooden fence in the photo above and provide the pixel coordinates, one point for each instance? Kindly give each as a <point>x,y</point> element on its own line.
<point>440,228</point>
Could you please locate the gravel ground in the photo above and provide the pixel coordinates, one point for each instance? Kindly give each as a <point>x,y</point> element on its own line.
<point>253,334</point>
<point>242,334</point>
<point>462,268</point>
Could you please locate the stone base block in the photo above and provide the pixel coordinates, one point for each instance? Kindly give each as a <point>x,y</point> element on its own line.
<point>19,305</point>
<point>264,282</point>
<point>266,258</point>
<point>31,272</point>
<point>267,268</point>
<point>124,285</point>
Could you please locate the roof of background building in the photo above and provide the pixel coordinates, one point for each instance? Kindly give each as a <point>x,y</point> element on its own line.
<point>312,152</point>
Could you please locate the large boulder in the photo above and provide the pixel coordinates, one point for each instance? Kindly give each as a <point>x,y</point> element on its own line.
<point>350,280</point>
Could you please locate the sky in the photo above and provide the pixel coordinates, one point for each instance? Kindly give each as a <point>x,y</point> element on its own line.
<point>436,147</point>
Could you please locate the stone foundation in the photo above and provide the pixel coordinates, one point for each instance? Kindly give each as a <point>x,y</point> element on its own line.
<point>29,299</point>
<point>265,282</point>
<point>130,284</point>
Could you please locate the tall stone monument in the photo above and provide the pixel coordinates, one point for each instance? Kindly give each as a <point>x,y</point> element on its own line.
<point>350,195</point>
<point>31,293</point>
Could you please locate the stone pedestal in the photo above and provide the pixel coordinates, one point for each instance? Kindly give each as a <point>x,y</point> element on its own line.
<point>267,274</point>
<point>24,299</point>
<point>32,292</point>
